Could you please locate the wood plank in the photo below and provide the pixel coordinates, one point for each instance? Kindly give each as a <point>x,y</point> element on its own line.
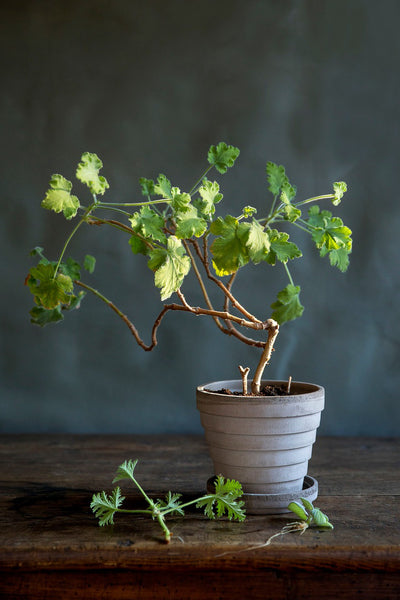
<point>48,535</point>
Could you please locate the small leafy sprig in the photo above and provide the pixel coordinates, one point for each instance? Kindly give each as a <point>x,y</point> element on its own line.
<point>310,517</point>
<point>224,501</point>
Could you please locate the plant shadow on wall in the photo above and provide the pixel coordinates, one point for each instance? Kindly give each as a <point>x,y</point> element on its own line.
<point>177,231</point>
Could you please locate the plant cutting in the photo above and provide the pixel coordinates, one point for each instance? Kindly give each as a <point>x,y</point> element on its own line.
<point>222,501</point>
<point>176,231</point>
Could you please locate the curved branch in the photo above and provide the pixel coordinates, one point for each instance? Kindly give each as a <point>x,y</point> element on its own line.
<point>203,287</point>
<point>196,310</point>
<point>232,329</point>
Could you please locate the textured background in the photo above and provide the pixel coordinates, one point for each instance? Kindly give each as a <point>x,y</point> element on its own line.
<point>312,84</point>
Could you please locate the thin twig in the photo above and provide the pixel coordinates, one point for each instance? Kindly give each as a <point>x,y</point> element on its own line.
<point>202,286</point>
<point>244,371</point>
<point>204,259</point>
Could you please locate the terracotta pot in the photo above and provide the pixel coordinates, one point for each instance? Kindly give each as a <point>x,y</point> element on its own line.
<point>264,442</point>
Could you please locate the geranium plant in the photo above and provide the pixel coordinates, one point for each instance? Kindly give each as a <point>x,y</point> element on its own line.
<point>175,231</point>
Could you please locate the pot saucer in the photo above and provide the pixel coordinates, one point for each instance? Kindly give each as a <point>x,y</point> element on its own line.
<point>273,504</point>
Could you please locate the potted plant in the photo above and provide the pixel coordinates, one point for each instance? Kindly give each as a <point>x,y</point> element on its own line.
<point>259,432</point>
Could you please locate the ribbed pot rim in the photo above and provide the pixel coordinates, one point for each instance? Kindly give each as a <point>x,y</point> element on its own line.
<point>300,389</point>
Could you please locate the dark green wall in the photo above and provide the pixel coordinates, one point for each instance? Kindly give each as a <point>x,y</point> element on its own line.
<point>312,84</point>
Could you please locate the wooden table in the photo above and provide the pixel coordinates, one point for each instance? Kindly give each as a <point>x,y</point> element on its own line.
<point>52,547</point>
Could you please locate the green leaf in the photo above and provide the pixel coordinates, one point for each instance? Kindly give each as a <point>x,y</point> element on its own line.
<point>278,181</point>
<point>307,504</point>
<point>126,470</point>
<point>38,251</point>
<point>88,172</point>
<point>319,519</point>
<point>59,199</point>
<point>170,266</point>
<point>148,223</point>
<point>180,201</point>
<point>280,248</point>
<point>89,263</point>
<point>340,259</point>
<point>163,187</point>
<point>340,188</point>
<point>330,235</point>
<point>228,250</point>
<point>298,510</point>
<point>49,291</point>
<point>41,316</point>
<point>137,245</point>
<point>222,156</point>
<point>171,504</point>
<point>288,306</point>
<point>147,186</point>
<point>190,224</point>
<point>209,197</point>
<point>256,240</point>
<point>58,182</point>
<point>249,211</point>
<point>104,506</point>
<point>288,191</point>
<point>224,501</point>
<point>71,268</point>
<point>291,213</point>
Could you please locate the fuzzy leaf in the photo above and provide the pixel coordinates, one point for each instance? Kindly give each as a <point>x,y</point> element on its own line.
<point>298,510</point>
<point>228,250</point>
<point>222,156</point>
<point>278,181</point>
<point>125,471</point>
<point>49,291</point>
<point>89,263</point>
<point>288,306</point>
<point>180,200</point>
<point>307,504</point>
<point>319,519</point>
<point>249,211</point>
<point>256,240</point>
<point>330,235</point>
<point>190,224</point>
<point>147,186</point>
<point>340,188</point>
<point>170,266</point>
<point>280,248</point>
<point>59,199</point>
<point>42,316</point>
<point>209,197</point>
<point>163,187</point>
<point>291,213</point>
<point>71,268</point>
<point>340,259</point>
<point>88,173</point>
<point>148,223</point>
<point>224,501</point>
<point>137,245</point>
<point>171,504</point>
<point>104,506</point>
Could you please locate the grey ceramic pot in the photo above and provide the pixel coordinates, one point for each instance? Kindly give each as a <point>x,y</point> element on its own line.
<point>264,442</point>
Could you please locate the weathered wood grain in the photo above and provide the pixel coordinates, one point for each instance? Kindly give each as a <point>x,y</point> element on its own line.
<point>52,547</point>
